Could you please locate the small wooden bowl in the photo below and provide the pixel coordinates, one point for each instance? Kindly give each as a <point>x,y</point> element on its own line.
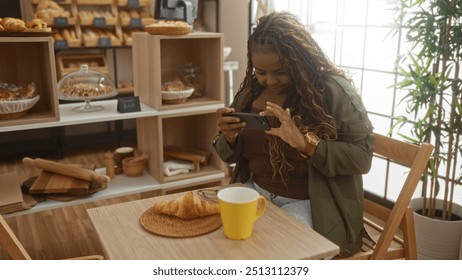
<point>133,168</point>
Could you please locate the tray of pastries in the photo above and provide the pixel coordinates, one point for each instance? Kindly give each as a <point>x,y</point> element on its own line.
<point>14,27</point>
<point>168,27</point>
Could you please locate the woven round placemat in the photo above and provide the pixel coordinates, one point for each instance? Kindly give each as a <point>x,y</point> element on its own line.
<point>171,226</point>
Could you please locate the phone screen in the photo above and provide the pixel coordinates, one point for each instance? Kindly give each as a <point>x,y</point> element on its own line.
<point>254,121</point>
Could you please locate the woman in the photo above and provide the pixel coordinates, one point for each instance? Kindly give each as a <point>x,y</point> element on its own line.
<point>310,163</point>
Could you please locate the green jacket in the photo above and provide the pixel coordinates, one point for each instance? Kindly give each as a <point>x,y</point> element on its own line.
<point>335,170</point>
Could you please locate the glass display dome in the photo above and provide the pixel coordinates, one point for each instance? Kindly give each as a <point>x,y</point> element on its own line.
<point>86,85</point>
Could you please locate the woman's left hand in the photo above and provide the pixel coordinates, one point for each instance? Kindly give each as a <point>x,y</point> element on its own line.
<point>288,131</point>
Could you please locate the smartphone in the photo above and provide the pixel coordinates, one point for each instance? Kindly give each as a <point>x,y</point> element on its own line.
<point>254,121</point>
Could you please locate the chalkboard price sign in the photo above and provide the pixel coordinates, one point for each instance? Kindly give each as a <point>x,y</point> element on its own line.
<point>136,23</point>
<point>128,104</point>
<point>133,4</point>
<point>61,45</point>
<point>61,21</point>
<point>99,22</point>
<point>104,42</point>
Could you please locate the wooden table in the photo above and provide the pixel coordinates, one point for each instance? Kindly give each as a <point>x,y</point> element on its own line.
<point>276,235</point>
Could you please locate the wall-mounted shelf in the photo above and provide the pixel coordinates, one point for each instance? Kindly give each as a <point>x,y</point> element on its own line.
<point>69,117</point>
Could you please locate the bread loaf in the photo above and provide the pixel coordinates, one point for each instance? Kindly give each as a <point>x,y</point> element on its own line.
<point>48,4</point>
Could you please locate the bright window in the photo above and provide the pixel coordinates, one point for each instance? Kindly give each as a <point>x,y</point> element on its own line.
<point>358,36</point>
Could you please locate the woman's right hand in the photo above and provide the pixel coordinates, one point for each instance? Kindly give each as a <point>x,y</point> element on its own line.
<point>229,126</point>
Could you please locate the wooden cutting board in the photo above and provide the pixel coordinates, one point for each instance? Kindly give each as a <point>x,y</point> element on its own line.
<point>52,183</point>
<point>10,189</point>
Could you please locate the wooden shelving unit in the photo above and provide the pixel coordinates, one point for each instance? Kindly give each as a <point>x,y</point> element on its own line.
<point>157,59</point>
<point>123,185</point>
<point>84,17</point>
<point>26,60</point>
<point>192,124</point>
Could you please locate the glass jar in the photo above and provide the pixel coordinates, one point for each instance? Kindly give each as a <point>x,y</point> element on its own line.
<point>191,78</point>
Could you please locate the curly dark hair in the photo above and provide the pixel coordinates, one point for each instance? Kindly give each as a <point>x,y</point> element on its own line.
<point>307,66</point>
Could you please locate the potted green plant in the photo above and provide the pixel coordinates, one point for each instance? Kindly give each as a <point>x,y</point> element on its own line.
<point>430,76</point>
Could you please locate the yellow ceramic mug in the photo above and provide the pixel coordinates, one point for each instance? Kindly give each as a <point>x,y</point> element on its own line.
<point>239,208</point>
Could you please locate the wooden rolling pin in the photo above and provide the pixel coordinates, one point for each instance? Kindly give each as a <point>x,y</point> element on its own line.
<point>67,170</point>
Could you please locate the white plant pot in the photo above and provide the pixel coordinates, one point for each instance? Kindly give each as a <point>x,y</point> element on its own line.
<point>437,239</point>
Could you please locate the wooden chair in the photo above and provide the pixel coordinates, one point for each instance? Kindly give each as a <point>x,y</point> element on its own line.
<point>14,248</point>
<point>381,222</point>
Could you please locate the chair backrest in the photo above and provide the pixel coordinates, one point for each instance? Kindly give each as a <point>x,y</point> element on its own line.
<point>10,243</point>
<point>406,154</point>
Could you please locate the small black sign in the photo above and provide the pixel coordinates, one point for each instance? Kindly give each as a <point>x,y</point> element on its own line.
<point>61,21</point>
<point>61,45</point>
<point>136,23</point>
<point>99,22</point>
<point>133,4</point>
<point>104,42</point>
<point>128,104</point>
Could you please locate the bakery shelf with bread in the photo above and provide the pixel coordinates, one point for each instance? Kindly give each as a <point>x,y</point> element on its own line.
<point>127,35</point>
<point>101,37</point>
<point>70,62</point>
<point>98,16</point>
<point>136,17</point>
<point>93,2</point>
<point>158,59</point>
<point>61,2</point>
<point>30,61</point>
<point>55,13</point>
<point>76,23</point>
<point>141,3</point>
<point>69,35</point>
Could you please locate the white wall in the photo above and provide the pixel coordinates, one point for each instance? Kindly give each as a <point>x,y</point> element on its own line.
<point>234,24</point>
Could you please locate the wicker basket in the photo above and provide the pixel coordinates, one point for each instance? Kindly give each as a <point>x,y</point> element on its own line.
<point>16,109</point>
<point>176,97</point>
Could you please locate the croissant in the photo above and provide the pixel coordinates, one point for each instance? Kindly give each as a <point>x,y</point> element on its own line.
<point>13,24</point>
<point>186,207</point>
<point>36,24</point>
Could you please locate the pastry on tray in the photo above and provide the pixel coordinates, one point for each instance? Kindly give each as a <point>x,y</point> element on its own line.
<point>13,25</point>
<point>168,27</point>
<point>10,24</point>
<point>187,206</point>
<point>14,92</point>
